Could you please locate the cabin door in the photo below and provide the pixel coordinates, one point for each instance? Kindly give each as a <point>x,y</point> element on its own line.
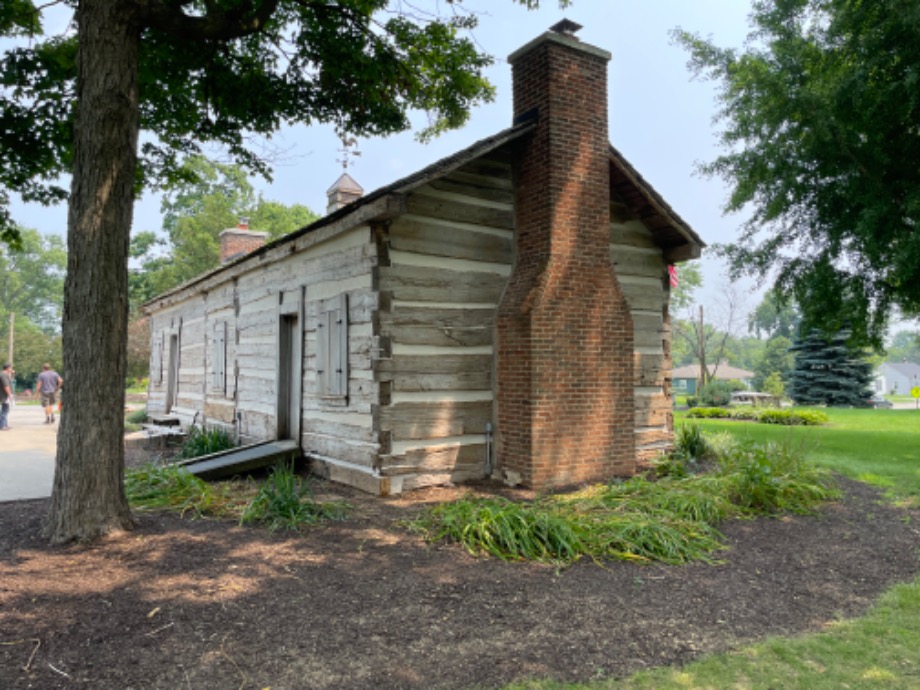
<point>172,373</point>
<point>290,366</point>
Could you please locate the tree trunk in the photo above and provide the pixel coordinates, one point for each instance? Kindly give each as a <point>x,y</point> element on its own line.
<point>88,498</point>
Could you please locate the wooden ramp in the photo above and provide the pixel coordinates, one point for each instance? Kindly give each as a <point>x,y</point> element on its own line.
<point>240,460</point>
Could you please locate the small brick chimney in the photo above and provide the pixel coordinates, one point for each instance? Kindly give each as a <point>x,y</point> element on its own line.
<point>239,241</point>
<point>564,332</point>
<point>343,192</point>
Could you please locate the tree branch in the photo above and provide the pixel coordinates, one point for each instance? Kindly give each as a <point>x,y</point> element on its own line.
<point>168,16</point>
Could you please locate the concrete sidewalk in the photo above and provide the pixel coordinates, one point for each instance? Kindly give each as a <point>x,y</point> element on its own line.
<point>27,453</point>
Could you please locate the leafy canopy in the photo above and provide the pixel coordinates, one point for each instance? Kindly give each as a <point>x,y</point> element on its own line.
<point>820,113</point>
<point>225,72</point>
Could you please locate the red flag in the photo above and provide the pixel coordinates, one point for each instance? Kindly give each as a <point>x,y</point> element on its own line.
<point>672,274</point>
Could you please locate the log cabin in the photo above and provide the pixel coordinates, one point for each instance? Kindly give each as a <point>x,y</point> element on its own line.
<point>502,312</point>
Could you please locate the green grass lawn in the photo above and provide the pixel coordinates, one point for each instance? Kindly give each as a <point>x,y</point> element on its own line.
<point>880,447</point>
<point>879,650</point>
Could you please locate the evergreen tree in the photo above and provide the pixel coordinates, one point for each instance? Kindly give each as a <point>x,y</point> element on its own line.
<point>829,372</point>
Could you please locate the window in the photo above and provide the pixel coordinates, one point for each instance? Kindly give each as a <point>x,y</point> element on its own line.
<point>332,348</point>
<point>681,384</point>
<point>219,357</point>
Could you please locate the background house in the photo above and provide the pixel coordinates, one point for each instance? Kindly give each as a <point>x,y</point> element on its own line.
<point>896,378</point>
<point>503,311</point>
<point>685,379</point>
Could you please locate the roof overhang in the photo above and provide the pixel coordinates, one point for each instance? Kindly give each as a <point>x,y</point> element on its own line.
<point>671,232</point>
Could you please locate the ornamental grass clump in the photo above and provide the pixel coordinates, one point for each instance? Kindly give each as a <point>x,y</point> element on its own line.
<point>203,441</point>
<point>672,520</point>
<point>167,487</point>
<point>285,501</point>
<point>774,477</point>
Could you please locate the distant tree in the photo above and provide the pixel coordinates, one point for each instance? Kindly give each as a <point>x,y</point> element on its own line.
<point>209,198</point>
<point>138,349</point>
<point>829,372</point>
<point>705,332</point>
<point>32,280</point>
<point>33,347</point>
<point>818,123</point>
<point>776,359</point>
<point>689,279</point>
<point>774,316</point>
<point>905,347</point>
<point>774,385</point>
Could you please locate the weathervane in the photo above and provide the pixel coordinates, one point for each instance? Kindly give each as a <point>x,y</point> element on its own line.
<point>349,150</point>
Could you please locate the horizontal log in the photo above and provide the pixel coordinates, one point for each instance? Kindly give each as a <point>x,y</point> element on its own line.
<point>432,364</point>
<point>324,427</point>
<point>223,411</point>
<point>430,238</point>
<point>465,381</point>
<point>653,410</point>
<point>423,284</point>
<point>419,204</point>
<point>438,317</point>
<point>650,370</point>
<point>432,420</point>
<point>643,297</point>
<point>496,163</point>
<point>437,459</point>
<point>637,263</point>
<point>631,233</point>
<point>477,187</point>
<point>364,454</point>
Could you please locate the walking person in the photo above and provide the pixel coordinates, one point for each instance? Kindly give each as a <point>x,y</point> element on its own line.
<point>49,383</point>
<point>6,395</point>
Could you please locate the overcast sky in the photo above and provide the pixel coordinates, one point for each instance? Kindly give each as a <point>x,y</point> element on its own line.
<point>660,118</point>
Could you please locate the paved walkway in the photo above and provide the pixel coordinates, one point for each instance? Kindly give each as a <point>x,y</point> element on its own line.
<point>27,454</point>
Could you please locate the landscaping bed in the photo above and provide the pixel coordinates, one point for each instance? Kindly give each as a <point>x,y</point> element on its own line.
<point>364,603</point>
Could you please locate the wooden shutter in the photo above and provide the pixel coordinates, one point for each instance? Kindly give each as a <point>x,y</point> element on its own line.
<point>219,357</point>
<point>332,347</point>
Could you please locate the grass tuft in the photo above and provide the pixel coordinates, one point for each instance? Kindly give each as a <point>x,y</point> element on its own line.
<point>167,487</point>
<point>202,441</point>
<point>285,501</point>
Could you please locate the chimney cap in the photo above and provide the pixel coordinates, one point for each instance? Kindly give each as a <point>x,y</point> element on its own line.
<point>566,27</point>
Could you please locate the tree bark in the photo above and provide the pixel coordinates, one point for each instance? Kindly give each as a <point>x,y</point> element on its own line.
<point>88,497</point>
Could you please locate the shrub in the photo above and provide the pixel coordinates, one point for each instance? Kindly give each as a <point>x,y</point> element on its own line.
<point>201,441</point>
<point>286,501</point>
<point>690,442</point>
<point>793,417</point>
<point>709,413</point>
<point>692,401</point>
<point>716,393</point>
<point>762,415</point>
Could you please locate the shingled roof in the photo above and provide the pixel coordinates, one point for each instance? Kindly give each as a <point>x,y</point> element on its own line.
<point>669,229</point>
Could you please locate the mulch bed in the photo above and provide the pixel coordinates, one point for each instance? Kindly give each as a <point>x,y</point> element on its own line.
<point>194,603</point>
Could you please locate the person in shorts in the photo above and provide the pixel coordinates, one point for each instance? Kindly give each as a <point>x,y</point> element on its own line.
<point>6,395</point>
<point>49,383</point>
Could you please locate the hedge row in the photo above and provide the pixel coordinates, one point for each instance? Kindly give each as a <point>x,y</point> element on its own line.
<point>764,415</point>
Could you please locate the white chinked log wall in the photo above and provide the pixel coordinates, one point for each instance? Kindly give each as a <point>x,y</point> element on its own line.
<point>443,267</point>
<point>248,301</point>
<point>422,292</point>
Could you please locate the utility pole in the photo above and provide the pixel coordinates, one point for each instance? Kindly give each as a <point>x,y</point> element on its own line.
<point>703,372</point>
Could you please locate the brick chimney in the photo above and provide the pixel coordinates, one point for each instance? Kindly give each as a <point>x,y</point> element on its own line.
<point>239,241</point>
<point>343,192</point>
<point>564,332</point>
